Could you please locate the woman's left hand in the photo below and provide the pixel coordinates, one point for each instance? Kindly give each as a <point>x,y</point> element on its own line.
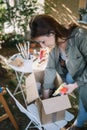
<point>71,87</point>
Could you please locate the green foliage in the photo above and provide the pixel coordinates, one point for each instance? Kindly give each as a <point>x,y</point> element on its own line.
<point>11,39</point>
<point>20,13</point>
<point>12,83</point>
<point>82,11</point>
<point>16,15</point>
<point>2,15</point>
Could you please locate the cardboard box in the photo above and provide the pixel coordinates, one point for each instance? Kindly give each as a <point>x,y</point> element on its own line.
<point>52,109</point>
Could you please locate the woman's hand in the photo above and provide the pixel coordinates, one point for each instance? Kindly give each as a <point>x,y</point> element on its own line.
<point>46,94</point>
<point>71,87</point>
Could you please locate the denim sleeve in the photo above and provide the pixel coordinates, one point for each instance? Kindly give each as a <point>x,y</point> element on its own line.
<point>50,72</point>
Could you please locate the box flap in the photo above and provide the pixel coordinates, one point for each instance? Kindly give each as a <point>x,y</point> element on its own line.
<point>31,88</point>
<point>39,76</point>
<point>58,81</point>
<point>56,104</point>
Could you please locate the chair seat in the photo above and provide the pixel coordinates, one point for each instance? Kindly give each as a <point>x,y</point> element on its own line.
<point>51,126</point>
<point>68,116</point>
<point>34,110</point>
<point>61,123</point>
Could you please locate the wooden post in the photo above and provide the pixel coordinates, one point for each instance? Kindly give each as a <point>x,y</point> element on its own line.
<point>8,113</point>
<point>82,3</point>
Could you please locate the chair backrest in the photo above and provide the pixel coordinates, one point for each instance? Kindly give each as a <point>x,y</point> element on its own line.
<point>29,112</point>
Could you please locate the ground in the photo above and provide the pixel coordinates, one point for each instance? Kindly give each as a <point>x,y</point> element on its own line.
<point>64,11</point>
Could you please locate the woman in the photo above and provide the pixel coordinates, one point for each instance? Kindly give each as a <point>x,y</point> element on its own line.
<point>68,57</point>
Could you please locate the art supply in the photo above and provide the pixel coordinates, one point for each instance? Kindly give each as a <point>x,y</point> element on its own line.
<point>61,90</point>
<point>1,89</point>
<point>23,48</point>
<point>43,53</point>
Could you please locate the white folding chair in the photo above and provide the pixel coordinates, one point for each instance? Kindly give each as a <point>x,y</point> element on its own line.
<point>32,113</point>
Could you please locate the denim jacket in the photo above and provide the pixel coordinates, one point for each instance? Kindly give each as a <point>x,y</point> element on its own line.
<point>76,52</point>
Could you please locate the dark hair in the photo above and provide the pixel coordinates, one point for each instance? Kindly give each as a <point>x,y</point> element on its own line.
<point>45,24</point>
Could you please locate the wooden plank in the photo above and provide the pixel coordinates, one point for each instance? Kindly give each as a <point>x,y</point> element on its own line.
<point>3,117</point>
<point>82,3</point>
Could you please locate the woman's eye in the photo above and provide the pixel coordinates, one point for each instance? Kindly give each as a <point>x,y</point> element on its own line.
<point>43,42</point>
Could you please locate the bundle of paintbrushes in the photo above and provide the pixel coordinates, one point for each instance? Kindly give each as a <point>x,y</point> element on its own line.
<point>23,48</point>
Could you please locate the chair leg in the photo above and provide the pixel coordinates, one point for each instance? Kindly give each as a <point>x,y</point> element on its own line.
<point>36,127</point>
<point>9,114</point>
<point>43,128</point>
<point>28,125</point>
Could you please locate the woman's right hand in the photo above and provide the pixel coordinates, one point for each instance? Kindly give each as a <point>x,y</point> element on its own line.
<point>46,94</point>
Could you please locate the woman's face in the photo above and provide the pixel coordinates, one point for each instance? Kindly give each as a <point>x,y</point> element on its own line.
<point>46,40</point>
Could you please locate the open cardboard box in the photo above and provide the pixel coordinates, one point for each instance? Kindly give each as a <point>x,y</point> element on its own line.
<point>52,109</point>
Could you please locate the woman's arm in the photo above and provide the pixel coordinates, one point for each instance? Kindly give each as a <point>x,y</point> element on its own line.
<point>50,74</point>
<point>50,71</point>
